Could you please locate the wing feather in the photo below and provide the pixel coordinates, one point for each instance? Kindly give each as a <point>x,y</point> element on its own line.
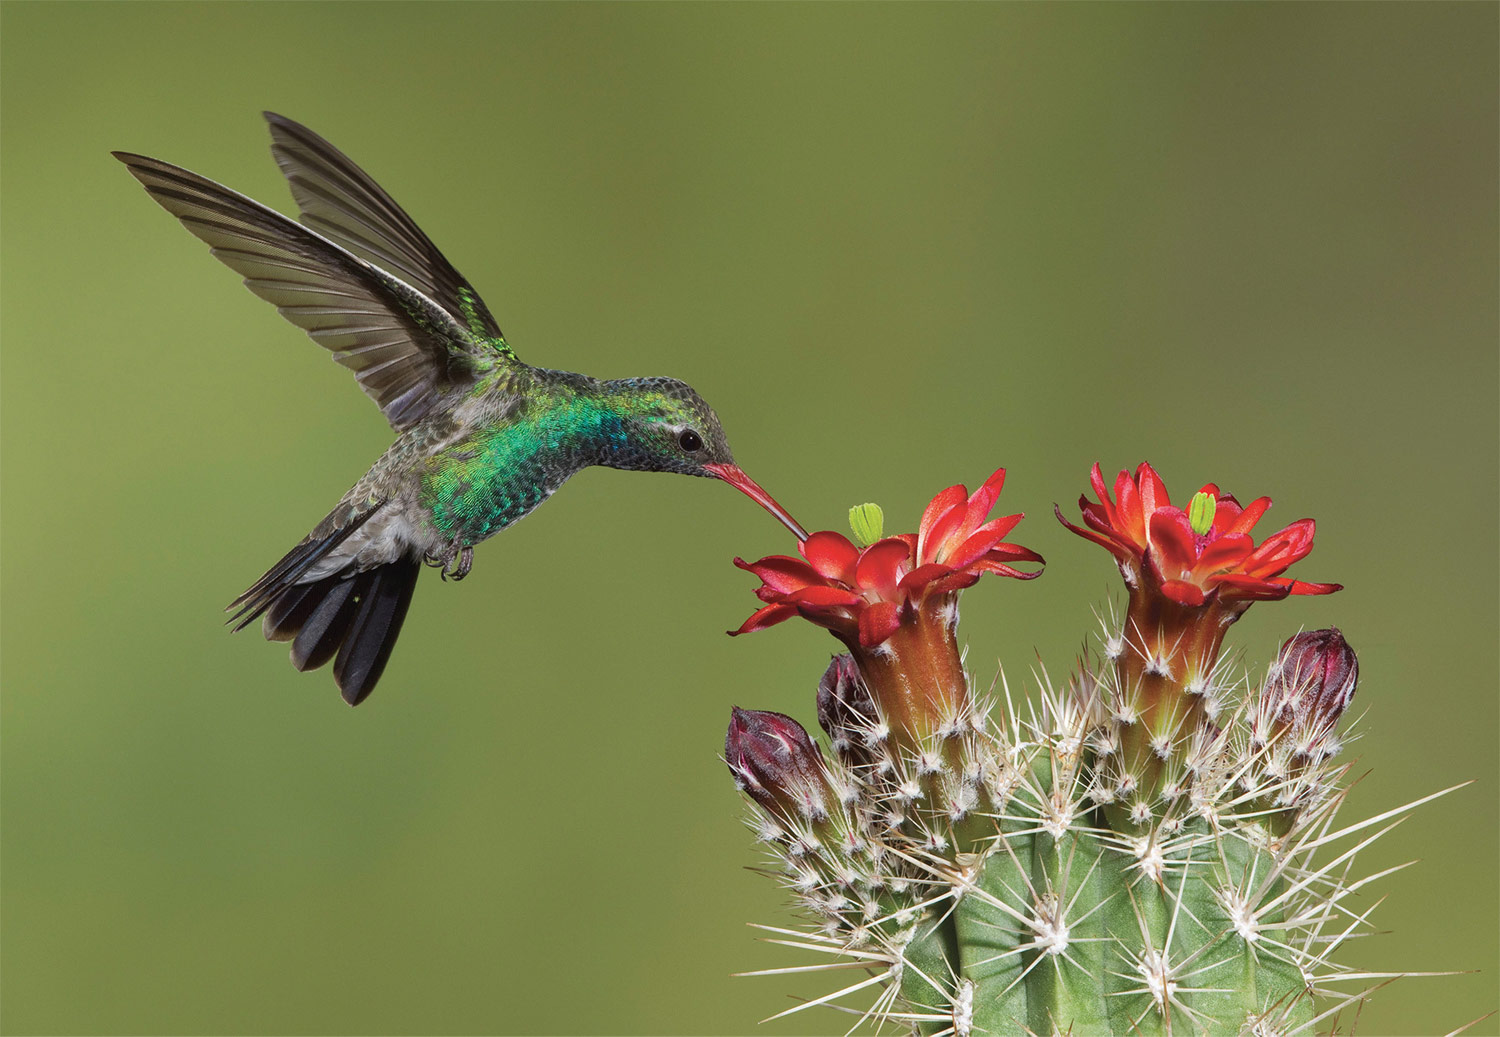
<point>407,350</point>
<point>343,203</point>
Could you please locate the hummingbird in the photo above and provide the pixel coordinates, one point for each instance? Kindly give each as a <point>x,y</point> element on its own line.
<point>482,439</point>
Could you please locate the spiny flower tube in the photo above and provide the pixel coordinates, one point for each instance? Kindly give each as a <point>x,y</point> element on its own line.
<point>995,871</point>
<point>894,602</point>
<point>1190,573</point>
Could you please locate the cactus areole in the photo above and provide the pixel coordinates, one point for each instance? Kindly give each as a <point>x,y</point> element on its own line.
<point>1148,848</point>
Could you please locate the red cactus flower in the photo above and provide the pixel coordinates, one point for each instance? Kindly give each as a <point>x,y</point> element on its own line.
<point>862,595</point>
<point>1193,562</point>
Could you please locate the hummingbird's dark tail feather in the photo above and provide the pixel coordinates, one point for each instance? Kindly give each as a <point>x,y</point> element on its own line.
<point>278,579</point>
<point>377,623</point>
<point>351,618</point>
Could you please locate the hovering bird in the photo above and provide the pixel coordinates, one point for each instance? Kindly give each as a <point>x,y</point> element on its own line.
<point>482,438</point>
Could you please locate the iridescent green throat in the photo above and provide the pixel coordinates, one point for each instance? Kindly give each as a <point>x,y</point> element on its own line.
<point>499,472</point>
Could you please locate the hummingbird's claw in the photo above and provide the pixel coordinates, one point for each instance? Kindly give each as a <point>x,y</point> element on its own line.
<point>465,563</point>
<point>455,562</point>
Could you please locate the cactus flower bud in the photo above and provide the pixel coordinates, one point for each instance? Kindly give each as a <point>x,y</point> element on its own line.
<point>1312,680</point>
<point>773,760</point>
<point>1292,723</point>
<point>846,711</point>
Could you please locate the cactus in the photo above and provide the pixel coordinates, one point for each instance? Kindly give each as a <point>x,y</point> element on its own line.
<point>1149,848</point>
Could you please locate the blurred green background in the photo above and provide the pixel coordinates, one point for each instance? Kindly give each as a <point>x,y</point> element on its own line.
<point>896,246</point>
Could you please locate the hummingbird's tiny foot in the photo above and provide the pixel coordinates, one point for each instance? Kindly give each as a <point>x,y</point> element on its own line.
<point>455,562</point>
<point>465,563</point>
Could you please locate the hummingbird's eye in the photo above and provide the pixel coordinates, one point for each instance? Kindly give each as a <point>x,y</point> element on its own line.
<point>690,441</point>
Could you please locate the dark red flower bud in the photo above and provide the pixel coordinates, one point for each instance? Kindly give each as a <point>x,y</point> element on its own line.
<point>772,758</point>
<point>1312,680</point>
<point>846,710</point>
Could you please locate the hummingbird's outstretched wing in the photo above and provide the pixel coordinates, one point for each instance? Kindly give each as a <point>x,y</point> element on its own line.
<point>406,350</point>
<point>341,201</point>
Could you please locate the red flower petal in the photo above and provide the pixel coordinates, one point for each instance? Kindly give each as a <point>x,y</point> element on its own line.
<point>1130,520</point>
<point>938,540</point>
<point>980,504</point>
<point>1153,490</point>
<point>1183,592</point>
<point>879,567</point>
<point>981,540</point>
<point>1097,519</point>
<point>1012,553</point>
<point>1110,544</point>
<point>831,554</point>
<point>1300,587</point>
<point>1280,550</point>
<point>1245,587</point>
<point>1226,510</point>
<point>952,497</point>
<point>985,565</point>
<point>1224,554</point>
<point>1005,523</point>
<point>1246,520</point>
<point>781,573</point>
<point>1096,479</point>
<point>879,622</point>
<point>1174,548</point>
<point>765,617</point>
<point>824,597</point>
<point>972,549</point>
<point>955,581</point>
<point>916,581</point>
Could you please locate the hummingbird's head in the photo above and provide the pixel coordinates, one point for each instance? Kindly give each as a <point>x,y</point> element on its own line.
<point>670,428</point>
<point>667,428</point>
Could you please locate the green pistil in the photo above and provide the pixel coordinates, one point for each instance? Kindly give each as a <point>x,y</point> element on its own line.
<point>1201,512</point>
<point>868,523</point>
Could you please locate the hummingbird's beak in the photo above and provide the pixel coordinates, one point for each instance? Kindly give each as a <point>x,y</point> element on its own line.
<point>736,477</point>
